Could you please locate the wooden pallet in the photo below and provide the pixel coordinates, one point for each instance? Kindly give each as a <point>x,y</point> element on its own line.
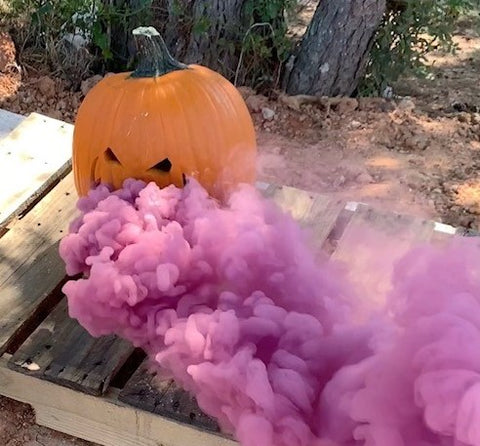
<point>100,389</point>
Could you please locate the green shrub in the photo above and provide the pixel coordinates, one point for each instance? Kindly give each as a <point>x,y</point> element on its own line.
<point>265,47</point>
<point>38,27</point>
<point>411,29</point>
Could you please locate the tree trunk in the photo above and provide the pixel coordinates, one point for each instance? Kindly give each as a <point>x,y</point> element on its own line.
<point>204,32</point>
<point>334,51</point>
<point>119,30</point>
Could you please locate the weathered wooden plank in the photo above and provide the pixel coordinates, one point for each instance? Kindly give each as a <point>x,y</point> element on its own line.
<point>32,158</point>
<point>372,242</point>
<point>104,420</point>
<point>145,391</point>
<point>8,121</point>
<point>314,212</point>
<point>45,224</point>
<point>30,266</point>
<point>62,352</point>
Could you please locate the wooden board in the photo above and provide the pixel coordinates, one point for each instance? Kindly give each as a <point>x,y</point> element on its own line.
<point>371,244</point>
<point>30,266</point>
<point>8,121</point>
<point>316,213</point>
<point>61,351</point>
<point>32,158</point>
<point>164,398</point>
<point>103,420</point>
<point>43,226</point>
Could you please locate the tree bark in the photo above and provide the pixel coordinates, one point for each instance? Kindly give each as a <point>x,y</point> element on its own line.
<point>204,32</point>
<point>334,51</point>
<point>118,29</point>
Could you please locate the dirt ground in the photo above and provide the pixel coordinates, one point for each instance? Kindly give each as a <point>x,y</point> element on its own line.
<point>418,154</point>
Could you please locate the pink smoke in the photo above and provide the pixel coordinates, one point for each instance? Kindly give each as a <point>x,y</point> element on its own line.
<point>232,302</point>
<point>422,385</point>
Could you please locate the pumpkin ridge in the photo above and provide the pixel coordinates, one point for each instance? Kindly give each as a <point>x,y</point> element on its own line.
<point>234,105</point>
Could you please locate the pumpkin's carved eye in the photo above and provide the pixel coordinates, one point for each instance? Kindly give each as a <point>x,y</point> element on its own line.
<point>165,165</point>
<point>110,156</point>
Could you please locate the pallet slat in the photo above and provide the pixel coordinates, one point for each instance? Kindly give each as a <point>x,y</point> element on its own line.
<point>30,266</point>
<point>314,212</point>
<point>104,420</point>
<point>164,398</point>
<point>62,352</point>
<point>32,157</point>
<point>45,224</point>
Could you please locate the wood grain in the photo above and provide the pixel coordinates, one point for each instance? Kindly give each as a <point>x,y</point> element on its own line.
<point>30,266</point>
<point>163,397</point>
<point>32,158</point>
<point>61,351</point>
<point>104,420</point>
<point>314,212</point>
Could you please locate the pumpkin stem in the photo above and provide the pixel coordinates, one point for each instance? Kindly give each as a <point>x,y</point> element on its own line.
<point>154,58</point>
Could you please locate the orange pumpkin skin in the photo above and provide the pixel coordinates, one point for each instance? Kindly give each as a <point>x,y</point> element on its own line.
<point>188,122</point>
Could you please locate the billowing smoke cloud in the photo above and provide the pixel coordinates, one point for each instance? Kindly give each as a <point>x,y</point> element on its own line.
<point>232,302</point>
<point>422,385</point>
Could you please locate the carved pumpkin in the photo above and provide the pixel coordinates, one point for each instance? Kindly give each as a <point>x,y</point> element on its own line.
<point>163,122</point>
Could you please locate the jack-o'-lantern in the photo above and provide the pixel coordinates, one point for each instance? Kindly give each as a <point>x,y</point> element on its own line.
<point>163,122</point>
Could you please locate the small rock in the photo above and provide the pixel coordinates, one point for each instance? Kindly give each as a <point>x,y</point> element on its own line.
<point>340,181</point>
<point>475,118</point>
<point>89,83</point>
<point>75,100</point>
<point>464,117</point>
<point>355,125</point>
<point>416,142</point>
<point>344,105</point>
<point>388,92</point>
<point>459,106</point>
<point>244,91</point>
<point>27,99</point>
<point>364,178</point>
<point>455,188</point>
<point>55,114</point>
<point>268,114</point>
<point>46,85</point>
<point>406,104</point>
<point>375,104</point>
<point>256,102</point>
